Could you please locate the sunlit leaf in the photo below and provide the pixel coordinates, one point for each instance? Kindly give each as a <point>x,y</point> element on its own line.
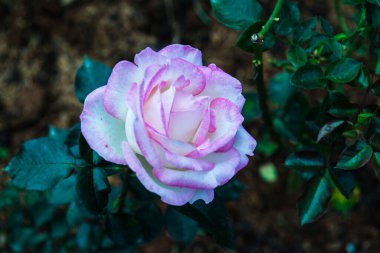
<point>328,128</point>
<point>355,160</point>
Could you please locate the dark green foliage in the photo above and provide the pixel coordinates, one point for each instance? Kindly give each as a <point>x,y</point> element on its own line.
<point>343,71</point>
<point>289,18</point>
<point>90,76</point>
<point>305,160</point>
<point>315,200</point>
<point>41,160</point>
<point>213,218</point>
<point>325,121</point>
<point>251,109</point>
<point>237,16</point>
<point>344,180</point>
<point>180,227</point>
<point>355,158</point>
<point>309,77</point>
<point>92,189</point>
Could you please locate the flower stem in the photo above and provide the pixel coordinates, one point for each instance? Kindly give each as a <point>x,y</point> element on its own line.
<point>273,17</point>
<point>261,88</point>
<point>259,69</point>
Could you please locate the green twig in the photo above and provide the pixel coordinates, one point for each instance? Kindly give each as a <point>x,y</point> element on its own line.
<point>275,16</point>
<point>259,69</point>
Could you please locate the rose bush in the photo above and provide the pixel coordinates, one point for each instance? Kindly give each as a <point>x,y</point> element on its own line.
<point>174,122</point>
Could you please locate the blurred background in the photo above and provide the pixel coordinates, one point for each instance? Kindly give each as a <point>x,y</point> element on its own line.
<point>43,42</point>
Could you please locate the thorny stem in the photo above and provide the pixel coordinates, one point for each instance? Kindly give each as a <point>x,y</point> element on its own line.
<point>341,20</point>
<point>259,70</point>
<point>273,17</point>
<point>261,88</point>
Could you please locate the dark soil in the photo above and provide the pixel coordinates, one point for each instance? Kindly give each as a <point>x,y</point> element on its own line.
<point>42,43</point>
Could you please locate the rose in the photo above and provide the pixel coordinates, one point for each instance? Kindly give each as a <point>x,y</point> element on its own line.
<point>174,122</point>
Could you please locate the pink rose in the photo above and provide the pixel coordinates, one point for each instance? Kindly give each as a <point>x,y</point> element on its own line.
<point>174,122</point>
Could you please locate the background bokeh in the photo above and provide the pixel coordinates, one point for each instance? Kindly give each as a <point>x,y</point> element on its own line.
<point>42,43</point>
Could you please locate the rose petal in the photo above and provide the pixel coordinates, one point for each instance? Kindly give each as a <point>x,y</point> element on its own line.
<point>178,162</point>
<point>186,116</point>
<point>167,99</point>
<point>149,57</point>
<point>174,146</point>
<point>227,121</point>
<point>185,52</point>
<point>123,75</point>
<point>143,141</point>
<point>224,170</point>
<point>245,144</point>
<point>154,113</point>
<point>206,195</point>
<point>170,195</point>
<point>221,85</point>
<point>103,132</point>
<point>203,129</point>
<point>175,69</point>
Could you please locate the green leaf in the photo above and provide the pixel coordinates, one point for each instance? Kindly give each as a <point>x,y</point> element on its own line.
<point>90,76</point>
<point>336,49</point>
<point>63,192</point>
<point>343,71</point>
<point>266,146</point>
<point>180,227</point>
<point>213,217</point>
<point>305,160</point>
<point>353,160</point>
<point>280,89</point>
<point>297,56</point>
<point>235,15</point>
<point>327,27</point>
<point>268,172</point>
<point>309,77</point>
<point>251,109</point>
<point>314,201</point>
<point>244,40</point>
<point>92,189</point>
<point>364,118</point>
<point>305,31</point>
<point>340,106</point>
<point>289,18</point>
<point>344,181</point>
<point>328,128</point>
<point>376,156</point>
<point>364,78</point>
<point>42,213</point>
<point>40,164</point>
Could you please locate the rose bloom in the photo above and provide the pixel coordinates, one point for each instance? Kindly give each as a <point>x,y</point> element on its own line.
<point>174,122</point>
